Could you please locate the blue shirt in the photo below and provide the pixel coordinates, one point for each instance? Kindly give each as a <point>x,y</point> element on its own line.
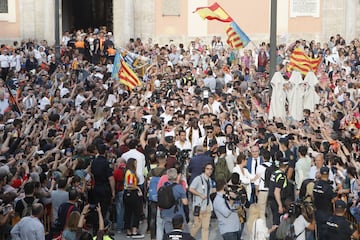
<point>228,219</point>
<point>197,164</point>
<point>179,194</point>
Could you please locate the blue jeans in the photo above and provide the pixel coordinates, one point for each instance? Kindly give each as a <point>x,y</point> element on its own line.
<point>355,212</point>
<point>119,204</point>
<point>159,226</point>
<point>231,236</point>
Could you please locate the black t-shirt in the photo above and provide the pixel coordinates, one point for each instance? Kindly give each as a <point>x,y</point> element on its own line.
<point>338,228</point>
<point>277,180</point>
<point>19,207</point>
<point>323,194</point>
<point>178,235</point>
<point>101,170</point>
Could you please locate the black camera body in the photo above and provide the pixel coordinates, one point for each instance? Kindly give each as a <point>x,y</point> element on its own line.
<point>239,191</point>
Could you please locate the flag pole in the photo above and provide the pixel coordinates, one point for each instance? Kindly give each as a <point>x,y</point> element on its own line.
<point>273,24</point>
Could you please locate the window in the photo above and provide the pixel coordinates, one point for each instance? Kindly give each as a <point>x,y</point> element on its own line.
<point>171,7</point>
<point>4,6</point>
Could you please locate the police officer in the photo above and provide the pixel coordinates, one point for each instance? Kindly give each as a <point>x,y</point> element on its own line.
<point>323,201</point>
<point>290,172</point>
<point>338,228</point>
<point>277,194</point>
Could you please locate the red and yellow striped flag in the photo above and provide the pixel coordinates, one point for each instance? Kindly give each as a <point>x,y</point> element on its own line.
<point>127,76</point>
<point>299,61</point>
<point>214,12</point>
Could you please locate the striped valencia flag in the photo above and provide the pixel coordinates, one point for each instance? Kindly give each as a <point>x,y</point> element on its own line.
<point>214,12</point>
<point>127,76</point>
<point>299,61</point>
<point>236,37</point>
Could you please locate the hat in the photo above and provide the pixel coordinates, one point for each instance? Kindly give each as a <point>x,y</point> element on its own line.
<point>283,161</point>
<point>324,170</point>
<point>340,204</point>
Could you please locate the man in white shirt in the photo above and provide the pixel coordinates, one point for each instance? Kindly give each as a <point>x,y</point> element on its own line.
<point>168,114</point>
<point>213,105</point>
<point>262,190</point>
<point>140,159</point>
<point>4,63</point>
<point>183,143</point>
<point>314,172</point>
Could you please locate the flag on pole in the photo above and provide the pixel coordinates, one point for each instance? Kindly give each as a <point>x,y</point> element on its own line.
<point>214,12</point>
<point>123,73</point>
<point>236,37</point>
<point>14,105</point>
<point>116,67</point>
<point>299,61</point>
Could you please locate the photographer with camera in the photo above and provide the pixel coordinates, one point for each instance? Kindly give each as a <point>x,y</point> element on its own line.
<point>226,212</point>
<point>201,189</point>
<point>304,224</point>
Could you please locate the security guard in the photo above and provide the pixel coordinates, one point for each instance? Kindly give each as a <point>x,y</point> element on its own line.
<point>277,194</point>
<point>338,228</point>
<point>323,200</point>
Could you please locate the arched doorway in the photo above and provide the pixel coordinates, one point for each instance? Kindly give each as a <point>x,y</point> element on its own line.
<point>84,14</point>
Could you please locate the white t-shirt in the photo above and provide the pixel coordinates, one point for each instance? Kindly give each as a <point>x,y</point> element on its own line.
<point>300,224</point>
<point>140,166</point>
<point>111,100</point>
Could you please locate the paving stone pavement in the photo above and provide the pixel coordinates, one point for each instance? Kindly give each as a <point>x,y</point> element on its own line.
<point>213,235</point>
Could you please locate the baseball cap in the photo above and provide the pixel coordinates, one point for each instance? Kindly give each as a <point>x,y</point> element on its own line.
<point>340,204</point>
<point>324,170</point>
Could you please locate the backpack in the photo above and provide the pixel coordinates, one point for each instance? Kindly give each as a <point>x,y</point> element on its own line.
<point>27,211</point>
<point>222,170</point>
<point>152,191</point>
<point>166,197</point>
<point>268,172</point>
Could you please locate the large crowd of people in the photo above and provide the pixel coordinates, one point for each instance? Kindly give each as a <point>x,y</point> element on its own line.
<point>84,156</point>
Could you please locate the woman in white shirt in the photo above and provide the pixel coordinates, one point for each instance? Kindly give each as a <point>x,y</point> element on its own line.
<point>245,177</point>
<point>256,225</point>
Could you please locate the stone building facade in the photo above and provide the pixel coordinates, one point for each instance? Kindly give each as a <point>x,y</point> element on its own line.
<point>165,20</point>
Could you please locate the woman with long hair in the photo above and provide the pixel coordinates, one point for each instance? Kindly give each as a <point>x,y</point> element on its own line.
<point>257,225</point>
<point>132,200</point>
<point>71,226</point>
<point>245,177</point>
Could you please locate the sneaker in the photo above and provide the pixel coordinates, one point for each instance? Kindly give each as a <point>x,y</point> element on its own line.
<point>128,235</point>
<point>137,235</point>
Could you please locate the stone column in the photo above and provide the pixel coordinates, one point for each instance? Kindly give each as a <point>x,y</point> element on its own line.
<point>350,19</point>
<point>49,21</point>
<point>123,21</point>
<point>144,19</point>
<point>27,19</point>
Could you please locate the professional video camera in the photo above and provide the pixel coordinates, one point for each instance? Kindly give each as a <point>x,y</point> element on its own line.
<point>301,207</point>
<point>240,193</point>
<point>182,157</point>
<point>233,140</point>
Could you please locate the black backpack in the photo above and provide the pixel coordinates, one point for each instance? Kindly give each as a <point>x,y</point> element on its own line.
<point>268,172</point>
<point>165,196</point>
